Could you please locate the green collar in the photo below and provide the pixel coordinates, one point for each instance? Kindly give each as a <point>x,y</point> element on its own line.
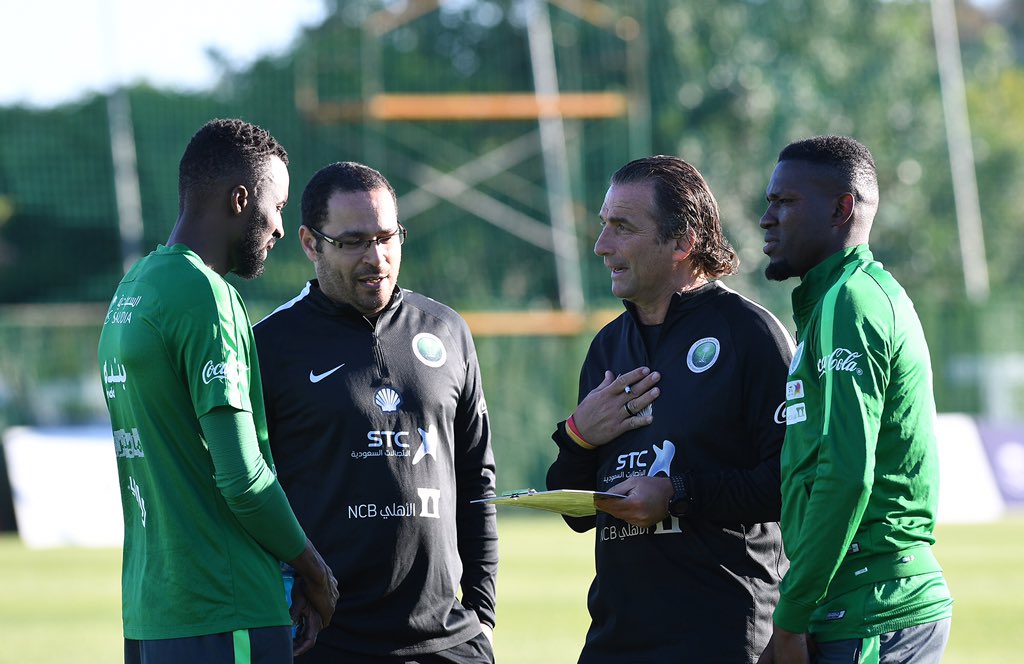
<point>820,278</point>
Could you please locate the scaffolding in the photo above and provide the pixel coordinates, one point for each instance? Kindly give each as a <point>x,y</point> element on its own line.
<point>544,113</point>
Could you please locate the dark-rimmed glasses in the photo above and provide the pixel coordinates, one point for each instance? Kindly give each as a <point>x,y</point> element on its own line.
<point>359,247</point>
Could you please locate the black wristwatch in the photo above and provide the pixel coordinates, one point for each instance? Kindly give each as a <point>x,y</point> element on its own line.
<point>679,503</point>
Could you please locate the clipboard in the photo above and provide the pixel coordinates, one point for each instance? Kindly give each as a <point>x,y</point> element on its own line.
<point>570,502</point>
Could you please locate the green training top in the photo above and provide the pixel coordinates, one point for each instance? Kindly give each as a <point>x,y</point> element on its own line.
<point>859,465</point>
<point>177,344</point>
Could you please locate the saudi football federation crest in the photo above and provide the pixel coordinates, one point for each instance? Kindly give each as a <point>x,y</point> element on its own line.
<point>703,354</point>
<point>429,350</point>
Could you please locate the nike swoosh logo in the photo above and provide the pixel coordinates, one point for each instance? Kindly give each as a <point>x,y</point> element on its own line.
<point>316,378</point>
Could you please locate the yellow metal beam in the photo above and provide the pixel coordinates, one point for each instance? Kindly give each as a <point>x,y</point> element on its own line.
<point>549,323</point>
<point>469,107</point>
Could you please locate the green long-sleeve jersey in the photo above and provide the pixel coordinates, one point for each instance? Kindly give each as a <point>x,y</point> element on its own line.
<point>859,463</point>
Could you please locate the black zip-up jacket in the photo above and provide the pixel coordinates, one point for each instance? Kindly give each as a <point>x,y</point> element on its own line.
<point>380,436</point>
<point>700,588</point>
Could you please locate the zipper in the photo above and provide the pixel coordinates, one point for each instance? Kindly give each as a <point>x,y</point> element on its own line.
<point>378,352</point>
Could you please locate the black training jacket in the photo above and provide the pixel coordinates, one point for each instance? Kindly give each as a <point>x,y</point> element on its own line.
<point>380,436</point>
<point>700,588</point>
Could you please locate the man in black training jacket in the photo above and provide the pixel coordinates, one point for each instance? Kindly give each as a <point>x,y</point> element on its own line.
<point>679,411</point>
<point>380,433</point>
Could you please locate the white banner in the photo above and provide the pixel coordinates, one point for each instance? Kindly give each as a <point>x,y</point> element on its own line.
<point>65,483</point>
<point>968,492</point>
<point>65,487</point>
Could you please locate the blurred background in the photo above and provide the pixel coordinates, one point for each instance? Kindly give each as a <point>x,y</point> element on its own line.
<point>499,123</point>
<point>500,189</point>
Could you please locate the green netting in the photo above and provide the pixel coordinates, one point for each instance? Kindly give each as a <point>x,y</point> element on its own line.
<point>725,85</point>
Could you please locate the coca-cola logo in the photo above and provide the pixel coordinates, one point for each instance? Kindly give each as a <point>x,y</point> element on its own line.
<point>219,371</point>
<point>841,359</point>
<point>212,372</point>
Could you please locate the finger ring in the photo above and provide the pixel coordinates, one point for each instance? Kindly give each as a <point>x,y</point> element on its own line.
<point>628,390</point>
<point>626,406</point>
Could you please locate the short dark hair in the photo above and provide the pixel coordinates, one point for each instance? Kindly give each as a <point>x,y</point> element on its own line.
<point>224,148</point>
<point>343,176</point>
<point>684,202</point>
<point>849,160</point>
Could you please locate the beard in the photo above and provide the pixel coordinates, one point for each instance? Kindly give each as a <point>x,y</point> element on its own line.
<point>249,261</point>
<point>778,271</point>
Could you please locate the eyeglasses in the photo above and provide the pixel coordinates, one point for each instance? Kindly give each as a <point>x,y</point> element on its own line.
<point>359,247</point>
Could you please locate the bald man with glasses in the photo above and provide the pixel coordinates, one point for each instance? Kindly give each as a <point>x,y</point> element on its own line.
<point>381,437</point>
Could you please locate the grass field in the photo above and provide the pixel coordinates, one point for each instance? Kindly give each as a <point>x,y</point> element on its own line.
<point>62,605</point>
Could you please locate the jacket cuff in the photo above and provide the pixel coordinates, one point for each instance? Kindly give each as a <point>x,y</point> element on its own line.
<point>792,616</point>
<point>484,614</point>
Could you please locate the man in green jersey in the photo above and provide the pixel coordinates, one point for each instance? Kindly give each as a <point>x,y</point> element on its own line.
<point>206,522</point>
<point>859,463</point>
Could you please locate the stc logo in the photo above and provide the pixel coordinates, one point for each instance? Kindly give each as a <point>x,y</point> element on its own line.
<point>841,359</point>
<point>382,438</point>
<point>632,464</point>
<point>632,460</point>
<point>394,444</point>
<point>662,459</point>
